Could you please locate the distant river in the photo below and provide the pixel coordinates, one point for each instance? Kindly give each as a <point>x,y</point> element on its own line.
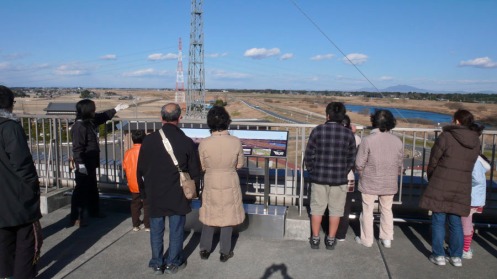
<point>407,113</point>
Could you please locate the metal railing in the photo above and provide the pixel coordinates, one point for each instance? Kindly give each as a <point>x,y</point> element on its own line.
<point>49,140</point>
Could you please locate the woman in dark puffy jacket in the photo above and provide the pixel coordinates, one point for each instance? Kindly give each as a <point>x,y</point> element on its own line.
<point>448,194</point>
<point>86,154</point>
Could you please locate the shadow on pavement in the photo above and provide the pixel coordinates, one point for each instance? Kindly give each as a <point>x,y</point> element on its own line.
<point>76,244</point>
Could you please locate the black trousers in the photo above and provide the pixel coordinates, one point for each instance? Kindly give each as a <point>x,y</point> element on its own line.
<point>224,239</point>
<point>17,252</point>
<point>343,226</point>
<point>85,198</point>
<point>136,207</point>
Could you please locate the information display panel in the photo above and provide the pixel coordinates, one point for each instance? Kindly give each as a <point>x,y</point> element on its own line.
<point>255,143</point>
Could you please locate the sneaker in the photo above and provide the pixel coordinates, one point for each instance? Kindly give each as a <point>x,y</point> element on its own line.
<point>158,270</point>
<point>467,254</point>
<point>135,229</point>
<point>340,239</point>
<point>173,269</point>
<point>314,241</point>
<point>330,243</point>
<point>387,243</point>
<point>455,261</point>
<point>438,260</point>
<point>359,241</point>
<point>147,229</point>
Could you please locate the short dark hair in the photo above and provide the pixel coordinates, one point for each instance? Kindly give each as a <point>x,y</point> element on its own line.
<point>346,121</point>
<point>85,109</point>
<point>170,112</point>
<point>218,119</point>
<point>336,111</point>
<point>6,97</point>
<point>467,119</point>
<point>137,136</point>
<point>383,119</point>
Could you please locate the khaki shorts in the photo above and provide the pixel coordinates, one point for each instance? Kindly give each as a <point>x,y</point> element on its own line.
<point>333,197</point>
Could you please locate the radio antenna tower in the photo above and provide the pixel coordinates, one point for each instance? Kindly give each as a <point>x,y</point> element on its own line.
<point>180,81</point>
<point>195,97</point>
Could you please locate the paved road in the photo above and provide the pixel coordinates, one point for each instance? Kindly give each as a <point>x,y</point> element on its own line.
<point>107,248</point>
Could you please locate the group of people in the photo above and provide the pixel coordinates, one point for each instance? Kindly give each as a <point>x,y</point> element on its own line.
<point>332,156</point>
<point>455,191</point>
<point>217,157</point>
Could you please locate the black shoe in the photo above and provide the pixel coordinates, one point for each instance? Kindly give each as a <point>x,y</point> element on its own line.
<point>330,243</point>
<point>158,270</point>
<point>99,215</point>
<point>314,241</point>
<point>78,223</point>
<point>204,254</point>
<point>226,257</point>
<point>173,269</point>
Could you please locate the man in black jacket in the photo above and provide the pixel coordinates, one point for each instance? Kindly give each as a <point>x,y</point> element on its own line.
<point>158,179</point>
<point>19,197</point>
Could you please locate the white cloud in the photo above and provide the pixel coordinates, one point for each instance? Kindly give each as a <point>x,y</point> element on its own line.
<point>221,74</point>
<point>321,57</point>
<point>481,62</point>
<point>385,78</point>
<point>71,70</point>
<point>216,55</point>
<point>109,57</point>
<point>5,66</point>
<point>261,53</point>
<point>15,56</point>
<point>286,56</point>
<point>150,72</point>
<point>356,58</point>
<point>162,56</point>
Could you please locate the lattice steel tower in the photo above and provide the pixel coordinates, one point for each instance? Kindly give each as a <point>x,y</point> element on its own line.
<point>180,81</point>
<point>195,97</point>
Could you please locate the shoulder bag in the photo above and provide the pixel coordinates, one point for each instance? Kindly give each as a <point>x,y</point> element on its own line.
<point>186,182</point>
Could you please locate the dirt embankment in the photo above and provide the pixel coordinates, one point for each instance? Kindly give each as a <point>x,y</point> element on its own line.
<point>485,113</point>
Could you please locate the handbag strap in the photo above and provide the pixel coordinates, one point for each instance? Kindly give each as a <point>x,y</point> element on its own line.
<point>169,148</point>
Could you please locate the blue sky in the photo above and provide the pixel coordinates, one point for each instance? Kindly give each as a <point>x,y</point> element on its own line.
<point>278,44</point>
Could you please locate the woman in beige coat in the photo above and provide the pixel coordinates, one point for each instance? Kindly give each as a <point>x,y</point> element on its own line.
<point>220,155</point>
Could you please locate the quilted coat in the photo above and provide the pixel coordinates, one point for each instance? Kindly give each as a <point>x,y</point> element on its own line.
<point>379,163</point>
<point>449,171</point>
<point>220,156</point>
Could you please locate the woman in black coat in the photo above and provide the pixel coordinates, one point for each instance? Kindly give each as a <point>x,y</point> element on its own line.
<point>86,154</point>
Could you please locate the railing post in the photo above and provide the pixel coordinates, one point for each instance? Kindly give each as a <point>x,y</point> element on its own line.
<point>267,185</point>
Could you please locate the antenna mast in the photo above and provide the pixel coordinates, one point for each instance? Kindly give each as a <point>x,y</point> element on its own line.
<point>195,97</point>
<point>180,81</point>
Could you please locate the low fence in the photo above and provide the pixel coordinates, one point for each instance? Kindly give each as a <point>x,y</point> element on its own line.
<point>49,140</point>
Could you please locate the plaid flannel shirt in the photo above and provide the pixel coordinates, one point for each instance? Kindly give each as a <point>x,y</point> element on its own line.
<point>330,154</point>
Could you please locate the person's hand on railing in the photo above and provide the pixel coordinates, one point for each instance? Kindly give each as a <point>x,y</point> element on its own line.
<point>121,107</point>
<point>82,169</point>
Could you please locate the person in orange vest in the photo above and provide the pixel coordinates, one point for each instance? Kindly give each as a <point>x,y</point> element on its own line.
<point>129,165</point>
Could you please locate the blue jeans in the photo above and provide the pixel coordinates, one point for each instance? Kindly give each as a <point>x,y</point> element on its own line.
<point>176,232</point>
<point>456,239</point>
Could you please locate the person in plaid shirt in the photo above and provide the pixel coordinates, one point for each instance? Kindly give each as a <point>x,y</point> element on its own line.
<point>329,156</point>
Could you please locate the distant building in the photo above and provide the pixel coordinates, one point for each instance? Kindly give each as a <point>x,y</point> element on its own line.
<point>61,109</point>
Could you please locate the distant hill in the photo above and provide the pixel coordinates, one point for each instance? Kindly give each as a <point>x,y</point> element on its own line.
<point>407,88</point>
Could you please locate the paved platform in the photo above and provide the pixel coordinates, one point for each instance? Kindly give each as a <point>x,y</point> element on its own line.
<point>108,248</point>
